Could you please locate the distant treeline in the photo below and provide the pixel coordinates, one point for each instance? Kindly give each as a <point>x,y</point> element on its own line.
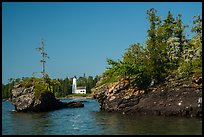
<point>62,89</point>
<point>65,86</point>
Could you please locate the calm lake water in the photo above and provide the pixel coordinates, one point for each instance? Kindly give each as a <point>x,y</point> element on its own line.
<point>90,121</point>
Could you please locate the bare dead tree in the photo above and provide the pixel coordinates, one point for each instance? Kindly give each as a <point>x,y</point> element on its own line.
<point>44,56</point>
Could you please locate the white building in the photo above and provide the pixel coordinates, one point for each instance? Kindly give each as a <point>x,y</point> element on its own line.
<point>78,90</point>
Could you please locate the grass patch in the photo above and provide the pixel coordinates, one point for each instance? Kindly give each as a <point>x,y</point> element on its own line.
<point>78,95</point>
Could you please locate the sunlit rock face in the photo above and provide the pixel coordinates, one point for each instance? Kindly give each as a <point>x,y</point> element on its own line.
<point>117,96</point>
<point>174,97</point>
<point>24,99</point>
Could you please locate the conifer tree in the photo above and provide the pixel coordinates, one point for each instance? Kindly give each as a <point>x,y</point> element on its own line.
<point>152,48</point>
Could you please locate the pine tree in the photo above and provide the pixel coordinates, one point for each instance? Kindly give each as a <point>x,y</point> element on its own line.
<point>152,48</point>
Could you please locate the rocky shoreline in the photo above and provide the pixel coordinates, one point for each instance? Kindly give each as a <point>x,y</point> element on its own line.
<point>64,98</point>
<point>174,97</point>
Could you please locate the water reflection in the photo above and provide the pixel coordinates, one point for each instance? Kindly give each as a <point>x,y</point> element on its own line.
<point>90,121</point>
<point>30,123</point>
<point>119,124</point>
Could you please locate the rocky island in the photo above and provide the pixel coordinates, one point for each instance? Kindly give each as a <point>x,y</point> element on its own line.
<point>37,94</point>
<point>34,95</point>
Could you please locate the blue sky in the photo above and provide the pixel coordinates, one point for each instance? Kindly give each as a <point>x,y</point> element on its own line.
<point>79,36</point>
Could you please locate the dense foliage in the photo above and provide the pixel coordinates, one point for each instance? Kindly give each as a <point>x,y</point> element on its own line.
<point>167,51</point>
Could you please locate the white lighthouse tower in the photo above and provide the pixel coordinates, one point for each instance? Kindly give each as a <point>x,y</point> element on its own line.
<point>78,90</point>
<point>74,87</point>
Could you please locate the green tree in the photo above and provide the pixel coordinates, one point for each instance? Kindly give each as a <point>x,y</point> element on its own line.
<point>168,26</point>
<point>197,28</point>
<point>179,33</point>
<point>134,66</point>
<point>90,84</point>
<point>154,48</point>
<point>191,60</point>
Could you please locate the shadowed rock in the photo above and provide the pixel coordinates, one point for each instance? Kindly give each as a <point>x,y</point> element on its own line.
<point>24,99</point>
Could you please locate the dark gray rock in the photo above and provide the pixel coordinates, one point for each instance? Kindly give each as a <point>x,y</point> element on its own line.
<point>182,97</point>
<point>24,99</point>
